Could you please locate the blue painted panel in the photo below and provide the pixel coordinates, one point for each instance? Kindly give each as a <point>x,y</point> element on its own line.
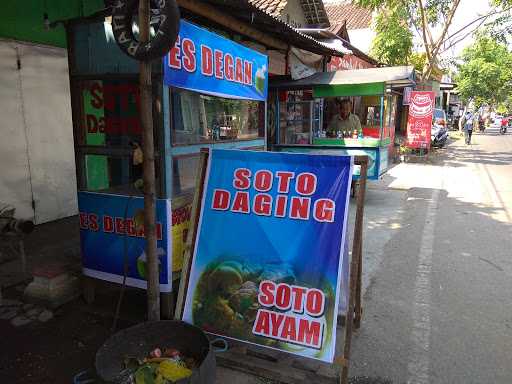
<point>384,160</point>
<point>96,51</point>
<point>190,149</point>
<point>372,153</point>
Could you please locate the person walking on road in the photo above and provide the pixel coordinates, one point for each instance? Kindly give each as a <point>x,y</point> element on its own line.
<point>467,125</point>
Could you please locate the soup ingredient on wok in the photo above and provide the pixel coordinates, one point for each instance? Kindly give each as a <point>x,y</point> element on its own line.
<point>157,352</point>
<point>163,367</point>
<point>171,352</point>
<point>172,370</point>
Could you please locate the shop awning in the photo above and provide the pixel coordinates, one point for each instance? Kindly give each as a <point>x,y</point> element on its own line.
<point>368,81</point>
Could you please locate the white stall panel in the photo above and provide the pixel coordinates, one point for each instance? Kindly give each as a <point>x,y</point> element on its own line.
<point>37,164</point>
<point>14,168</point>
<point>47,106</point>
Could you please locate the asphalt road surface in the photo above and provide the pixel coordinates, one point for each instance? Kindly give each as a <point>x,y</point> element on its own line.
<point>438,308</point>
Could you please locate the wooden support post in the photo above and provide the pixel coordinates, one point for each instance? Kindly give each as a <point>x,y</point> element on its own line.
<point>146,111</point>
<point>167,305</point>
<point>192,233</point>
<point>355,269</point>
<point>361,195</point>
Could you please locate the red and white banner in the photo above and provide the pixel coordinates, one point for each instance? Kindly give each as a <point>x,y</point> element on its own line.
<point>347,62</point>
<point>419,123</point>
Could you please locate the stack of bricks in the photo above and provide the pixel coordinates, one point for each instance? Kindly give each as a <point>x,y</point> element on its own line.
<point>52,286</point>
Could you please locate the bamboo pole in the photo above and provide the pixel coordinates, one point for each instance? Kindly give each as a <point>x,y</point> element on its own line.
<point>146,111</point>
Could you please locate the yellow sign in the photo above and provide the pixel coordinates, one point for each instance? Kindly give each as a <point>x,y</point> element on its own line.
<point>180,227</point>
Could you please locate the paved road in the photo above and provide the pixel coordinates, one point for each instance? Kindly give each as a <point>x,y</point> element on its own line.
<point>439,305</point>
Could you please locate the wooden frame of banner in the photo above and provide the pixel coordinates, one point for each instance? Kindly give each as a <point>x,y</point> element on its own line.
<point>192,233</point>
<point>354,310</point>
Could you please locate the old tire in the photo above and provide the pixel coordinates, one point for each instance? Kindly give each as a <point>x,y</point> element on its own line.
<point>165,37</point>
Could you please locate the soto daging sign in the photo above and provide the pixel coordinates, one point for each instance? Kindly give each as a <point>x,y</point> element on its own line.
<point>269,261</point>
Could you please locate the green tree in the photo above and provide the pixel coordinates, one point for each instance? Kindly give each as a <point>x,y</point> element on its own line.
<point>393,41</point>
<point>485,73</point>
<point>424,16</point>
<point>501,27</point>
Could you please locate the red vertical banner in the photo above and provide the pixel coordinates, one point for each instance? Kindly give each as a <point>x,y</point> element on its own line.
<point>419,123</point>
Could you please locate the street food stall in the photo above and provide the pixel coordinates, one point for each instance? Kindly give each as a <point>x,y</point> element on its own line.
<point>304,111</point>
<point>208,91</point>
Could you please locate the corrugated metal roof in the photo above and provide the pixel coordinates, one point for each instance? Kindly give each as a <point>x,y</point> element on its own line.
<point>247,11</point>
<point>328,34</point>
<point>399,76</point>
<point>356,17</point>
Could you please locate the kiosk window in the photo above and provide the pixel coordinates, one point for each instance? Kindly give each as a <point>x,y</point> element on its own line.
<point>199,118</point>
<point>299,118</point>
<point>184,170</point>
<point>391,102</point>
<point>109,136</point>
<point>115,174</point>
<point>389,117</point>
<point>110,112</point>
<point>372,116</point>
<point>371,111</point>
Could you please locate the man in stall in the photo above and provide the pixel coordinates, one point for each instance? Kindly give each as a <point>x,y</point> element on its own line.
<point>344,122</point>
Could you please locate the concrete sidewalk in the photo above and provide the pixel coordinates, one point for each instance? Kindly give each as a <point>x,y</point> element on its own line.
<point>439,310</point>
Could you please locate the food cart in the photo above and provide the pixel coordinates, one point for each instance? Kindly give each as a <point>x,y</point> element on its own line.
<point>207,92</point>
<point>304,109</point>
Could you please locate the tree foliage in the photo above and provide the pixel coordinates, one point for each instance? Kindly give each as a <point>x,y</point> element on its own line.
<point>503,3</point>
<point>393,41</point>
<point>501,27</point>
<point>485,74</point>
<point>424,16</point>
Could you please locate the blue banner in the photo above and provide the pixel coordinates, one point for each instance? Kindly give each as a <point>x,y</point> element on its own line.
<point>205,62</point>
<point>112,232</point>
<point>270,263</point>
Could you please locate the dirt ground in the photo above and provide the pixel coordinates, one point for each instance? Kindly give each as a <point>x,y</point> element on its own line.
<point>55,351</point>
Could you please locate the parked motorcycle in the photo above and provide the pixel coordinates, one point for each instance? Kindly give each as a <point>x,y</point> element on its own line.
<point>504,124</point>
<point>438,135</point>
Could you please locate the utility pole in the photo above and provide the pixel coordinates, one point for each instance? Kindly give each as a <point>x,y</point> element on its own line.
<point>146,111</point>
